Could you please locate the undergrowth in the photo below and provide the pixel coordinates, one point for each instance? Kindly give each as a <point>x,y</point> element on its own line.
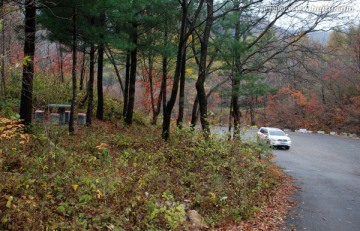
<point>110,177</point>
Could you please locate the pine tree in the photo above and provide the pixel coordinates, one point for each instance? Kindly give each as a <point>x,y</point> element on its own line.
<point>28,69</point>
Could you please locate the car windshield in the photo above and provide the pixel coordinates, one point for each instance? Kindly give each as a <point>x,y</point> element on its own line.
<point>277,133</point>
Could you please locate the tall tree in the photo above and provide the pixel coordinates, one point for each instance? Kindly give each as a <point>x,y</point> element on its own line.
<point>180,118</point>
<point>236,76</point>
<point>3,53</point>
<point>127,83</point>
<point>90,87</point>
<point>73,70</point>
<point>132,76</point>
<point>101,50</point>
<point>100,104</point>
<point>186,29</point>
<point>28,69</point>
<point>200,88</point>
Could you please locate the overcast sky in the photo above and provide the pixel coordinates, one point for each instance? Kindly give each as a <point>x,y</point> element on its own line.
<point>342,13</point>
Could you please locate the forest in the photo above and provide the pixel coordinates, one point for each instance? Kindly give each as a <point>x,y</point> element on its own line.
<point>152,79</point>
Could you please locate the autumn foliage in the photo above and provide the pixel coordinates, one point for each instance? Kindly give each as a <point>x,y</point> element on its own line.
<point>292,109</point>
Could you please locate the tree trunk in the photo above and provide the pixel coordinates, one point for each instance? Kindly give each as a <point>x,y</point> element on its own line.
<point>194,113</point>
<point>100,93</point>
<point>252,110</point>
<point>180,118</point>
<point>150,76</point>
<point>117,72</point>
<point>91,85</point>
<point>127,82</point>
<point>162,94</point>
<point>236,80</point>
<point>133,65</point>
<point>202,70</point>
<point>28,69</point>
<point>164,71</point>
<point>195,109</point>
<point>3,53</point>
<point>164,82</point>
<point>82,73</point>
<point>155,110</point>
<point>230,118</point>
<point>179,64</point>
<point>236,107</point>
<point>158,107</point>
<point>100,104</point>
<point>74,62</point>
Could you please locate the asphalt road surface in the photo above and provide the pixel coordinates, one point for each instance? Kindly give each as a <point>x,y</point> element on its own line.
<point>327,170</point>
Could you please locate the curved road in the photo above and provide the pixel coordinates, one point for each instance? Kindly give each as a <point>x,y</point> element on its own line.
<point>327,170</point>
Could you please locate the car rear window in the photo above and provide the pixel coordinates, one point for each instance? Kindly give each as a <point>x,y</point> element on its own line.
<point>277,133</point>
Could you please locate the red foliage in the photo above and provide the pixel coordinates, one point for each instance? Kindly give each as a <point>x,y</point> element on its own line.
<point>145,85</point>
<point>333,73</point>
<point>286,109</point>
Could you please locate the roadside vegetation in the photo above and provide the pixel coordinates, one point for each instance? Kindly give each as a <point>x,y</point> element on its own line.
<point>111,177</point>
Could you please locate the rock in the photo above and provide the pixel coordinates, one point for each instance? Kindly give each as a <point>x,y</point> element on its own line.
<point>196,219</point>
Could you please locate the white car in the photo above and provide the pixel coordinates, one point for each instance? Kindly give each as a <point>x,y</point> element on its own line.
<point>274,136</point>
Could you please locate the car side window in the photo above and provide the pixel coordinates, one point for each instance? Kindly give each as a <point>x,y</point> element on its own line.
<point>263,130</point>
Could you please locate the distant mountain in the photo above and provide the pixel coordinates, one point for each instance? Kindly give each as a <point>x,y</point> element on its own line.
<point>320,36</point>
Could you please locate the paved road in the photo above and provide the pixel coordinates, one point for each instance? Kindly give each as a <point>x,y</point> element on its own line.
<point>327,169</point>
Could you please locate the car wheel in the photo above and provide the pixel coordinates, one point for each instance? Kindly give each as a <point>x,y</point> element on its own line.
<point>287,148</point>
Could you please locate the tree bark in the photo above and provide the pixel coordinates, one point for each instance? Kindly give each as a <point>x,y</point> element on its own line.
<point>236,80</point>
<point>82,73</point>
<point>164,81</point>
<point>127,82</point>
<point>150,76</point>
<point>180,118</point>
<point>74,63</point>
<point>195,109</point>
<point>3,53</point>
<point>91,85</point>
<point>230,118</point>
<point>194,113</point>
<point>202,69</point>
<point>100,93</point>
<point>132,81</point>
<point>28,69</point>
<point>252,105</point>
<point>164,71</point>
<point>236,106</point>
<point>100,104</point>
<point>158,107</point>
